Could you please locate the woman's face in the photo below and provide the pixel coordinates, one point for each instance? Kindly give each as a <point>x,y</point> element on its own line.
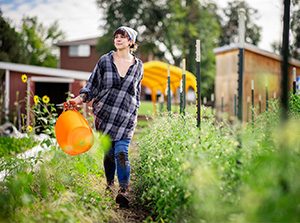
<point>121,41</point>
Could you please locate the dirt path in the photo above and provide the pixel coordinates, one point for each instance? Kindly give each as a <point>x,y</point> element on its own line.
<point>135,212</point>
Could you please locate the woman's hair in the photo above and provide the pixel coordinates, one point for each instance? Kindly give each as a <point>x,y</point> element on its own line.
<point>133,47</point>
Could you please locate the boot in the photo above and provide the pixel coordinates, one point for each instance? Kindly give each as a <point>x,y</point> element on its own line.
<point>122,198</point>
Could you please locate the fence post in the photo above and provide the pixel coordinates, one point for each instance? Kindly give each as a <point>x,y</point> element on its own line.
<point>252,102</point>
<point>212,98</point>
<point>198,58</point>
<point>267,97</point>
<point>204,100</point>
<point>259,103</point>
<point>183,85</point>
<point>222,103</point>
<point>234,105</point>
<point>169,91</point>
<point>294,81</point>
<point>248,105</point>
<point>28,102</point>
<point>180,98</point>
<point>241,62</point>
<point>285,64</point>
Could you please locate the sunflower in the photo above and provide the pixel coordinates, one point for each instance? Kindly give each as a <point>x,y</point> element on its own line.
<point>29,128</point>
<point>45,99</point>
<point>36,99</point>
<point>24,78</point>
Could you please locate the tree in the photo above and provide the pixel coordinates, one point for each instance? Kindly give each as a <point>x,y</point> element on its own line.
<point>11,43</point>
<point>295,29</point>
<point>295,32</point>
<point>39,41</point>
<point>230,24</point>
<point>11,50</point>
<point>168,30</point>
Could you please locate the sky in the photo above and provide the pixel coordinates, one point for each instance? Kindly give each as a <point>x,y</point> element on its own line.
<point>81,18</point>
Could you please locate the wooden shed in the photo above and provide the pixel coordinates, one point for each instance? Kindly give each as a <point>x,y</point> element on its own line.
<point>261,66</point>
<point>53,82</point>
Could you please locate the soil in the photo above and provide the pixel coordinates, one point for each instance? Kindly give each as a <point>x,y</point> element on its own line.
<point>136,212</point>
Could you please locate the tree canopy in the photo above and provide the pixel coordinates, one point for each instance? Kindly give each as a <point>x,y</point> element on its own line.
<point>295,29</point>
<point>39,41</point>
<point>32,44</point>
<point>167,30</point>
<point>11,43</point>
<point>294,32</point>
<point>231,21</point>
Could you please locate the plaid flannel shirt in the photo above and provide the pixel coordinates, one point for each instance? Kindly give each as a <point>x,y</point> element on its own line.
<point>115,99</point>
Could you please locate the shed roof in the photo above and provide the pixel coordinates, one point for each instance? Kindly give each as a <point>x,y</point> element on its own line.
<point>89,41</point>
<point>55,72</point>
<point>156,76</point>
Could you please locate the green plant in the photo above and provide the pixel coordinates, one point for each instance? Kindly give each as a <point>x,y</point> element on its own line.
<point>221,173</point>
<point>44,115</point>
<point>62,189</point>
<point>12,146</point>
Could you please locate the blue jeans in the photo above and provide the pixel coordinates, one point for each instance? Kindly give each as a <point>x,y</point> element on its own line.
<point>117,158</point>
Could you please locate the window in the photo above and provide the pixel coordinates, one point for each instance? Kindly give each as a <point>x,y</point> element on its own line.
<point>79,51</point>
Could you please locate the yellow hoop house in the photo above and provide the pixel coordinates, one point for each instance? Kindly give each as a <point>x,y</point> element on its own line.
<point>156,77</point>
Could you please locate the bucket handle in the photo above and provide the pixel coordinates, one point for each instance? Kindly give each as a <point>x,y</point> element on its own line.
<point>69,106</point>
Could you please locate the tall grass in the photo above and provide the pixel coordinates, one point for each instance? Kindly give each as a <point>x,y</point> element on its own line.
<point>221,173</point>
<point>62,189</point>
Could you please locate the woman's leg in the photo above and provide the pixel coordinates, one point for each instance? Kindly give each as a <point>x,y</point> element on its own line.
<point>110,165</point>
<point>122,162</point>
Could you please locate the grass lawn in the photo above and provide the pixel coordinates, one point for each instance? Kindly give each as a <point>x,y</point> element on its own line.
<point>146,108</point>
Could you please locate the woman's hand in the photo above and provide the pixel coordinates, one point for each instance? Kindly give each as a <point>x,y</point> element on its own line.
<point>74,102</point>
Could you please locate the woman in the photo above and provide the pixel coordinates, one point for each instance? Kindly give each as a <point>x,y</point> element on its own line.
<point>114,86</point>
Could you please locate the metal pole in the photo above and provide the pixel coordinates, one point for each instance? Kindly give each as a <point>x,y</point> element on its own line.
<point>294,80</point>
<point>198,58</point>
<point>7,95</point>
<point>252,102</point>
<point>248,103</point>
<point>241,62</point>
<point>259,103</point>
<point>28,103</point>
<point>234,106</point>
<point>222,104</point>
<point>169,91</point>
<point>267,98</point>
<point>183,85</point>
<point>204,101</point>
<point>212,98</point>
<point>181,98</point>
<point>284,64</point>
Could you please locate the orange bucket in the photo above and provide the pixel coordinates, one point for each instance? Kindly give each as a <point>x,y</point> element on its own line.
<point>73,133</point>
